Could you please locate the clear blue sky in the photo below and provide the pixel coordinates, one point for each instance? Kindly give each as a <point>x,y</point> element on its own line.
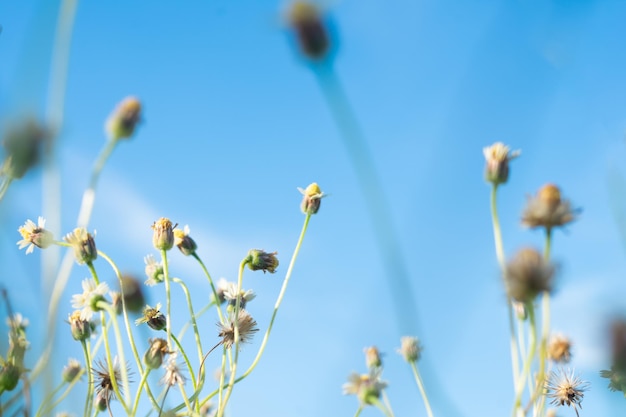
<point>234,121</point>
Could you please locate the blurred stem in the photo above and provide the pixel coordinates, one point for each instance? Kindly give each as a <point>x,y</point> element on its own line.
<point>193,317</point>
<point>532,348</point>
<point>144,378</point>
<point>47,401</point>
<point>358,412</point>
<point>186,358</point>
<point>545,328</point>
<point>166,274</point>
<point>109,360</point>
<point>5,182</point>
<point>222,377</point>
<point>420,385</point>
<point>372,190</point>
<point>68,389</point>
<point>94,274</point>
<point>376,402</point>
<point>120,349</point>
<point>217,299</point>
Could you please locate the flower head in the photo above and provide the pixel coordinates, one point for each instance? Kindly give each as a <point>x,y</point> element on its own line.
<point>24,143</point>
<point>565,388</point>
<point>72,370</point>
<point>547,209</point>
<point>367,387</point>
<point>88,300</point>
<point>122,122</point>
<point>220,289</point>
<point>373,357</point>
<point>247,329</point>
<point>153,316</point>
<point>132,293</point>
<point>184,242</point>
<point>230,295</point>
<point>260,260</point>
<point>173,374</point>
<point>498,156</point>
<point>83,244</point>
<point>527,275</point>
<point>306,21</point>
<point>35,235</point>
<point>163,236</point>
<point>311,198</point>
<point>559,349</point>
<point>104,380</point>
<point>153,357</point>
<point>154,271</point>
<point>410,348</point>
<point>80,327</point>
<point>616,377</point>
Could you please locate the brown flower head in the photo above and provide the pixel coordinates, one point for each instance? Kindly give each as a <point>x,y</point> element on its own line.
<point>153,316</point>
<point>247,329</point>
<point>184,242</point>
<point>497,157</point>
<point>260,260</point>
<point>305,19</point>
<point>83,244</point>
<point>527,275</point>
<point>565,388</point>
<point>547,209</point>
<point>559,349</point>
<point>311,198</point>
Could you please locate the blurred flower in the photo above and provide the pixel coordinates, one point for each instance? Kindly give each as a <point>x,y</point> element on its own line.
<point>122,122</point>
<point>247,329</point>
<point>88,300</point>
<point>498,156</point>
<point>220,289</point>
<point>260,260</point>
<point>367,387</point>
<point>163,236</point>
<point>72,370</point>
<point>527,275</point>
<point>306,21</point>
<point>153,316</point>
<point>134,299</point>
<point>565,388</point>
<point>312,197</point>
<point>104,379</point>
<point>184,242</point>
<point>410,348</point>
<point>173,374</point>
<point>35,235</point>
<point>559,349</point>
<point>80,328</point>
<point>154,271</point>
<point>17,323</point>
<point>230,294</point>
<point>153,357</point>
<point>547,209</point>
<point>373,358</point>
<point>23,143</point>
<point>617,379</point>
<point>83,244</point>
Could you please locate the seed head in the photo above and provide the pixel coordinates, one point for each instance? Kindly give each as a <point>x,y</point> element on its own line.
<point>410,348</point>
<point>527,275</point>
<point>559,349</point>
<point>72,370</point>
<point>35,235</point>
<point>153,316</point>
<point>173,373</point>
<point>311,198</point>
<point>103,381</point>
<point>163,237</point>
<point>122,122</point>
<point>247,329</point>
<point>260,260</point>
<point>83,244</point>
<point>547,209</point>
<point>153,358</point>
<point>565,388</point>
<point>497,157</point>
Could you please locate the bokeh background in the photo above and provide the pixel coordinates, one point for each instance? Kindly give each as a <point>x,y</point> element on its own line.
<point>234,121</point>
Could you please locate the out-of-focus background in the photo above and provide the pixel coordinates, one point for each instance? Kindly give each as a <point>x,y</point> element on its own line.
<point>234,120</point>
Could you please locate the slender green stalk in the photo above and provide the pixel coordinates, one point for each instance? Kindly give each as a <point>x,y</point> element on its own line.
<point>144,378</point>
<point>5,183</point>
<point>48,399</point>
<point>376,402</point>
<point>532,348</point>
<point>186,358</point>
<point>109,360</point>
<point>168,317</point>
<point>192,315</point>
<point>222,377</point>
<point>89,401</point>
<point>387,402</point>
<point>420,385</point>
<point>94,274</point>
<point>358,411</point>
<point>545,327</point>
<point>120,347</point>
<point>66,392</point>
<point>213,289</point>
<point>181,386</point>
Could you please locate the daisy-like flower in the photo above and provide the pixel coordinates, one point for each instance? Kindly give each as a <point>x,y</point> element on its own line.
<point>104,380</point>
<point>547,209</point>
<point>153,316</point>
<point>410,348</point>
<point>260,260</point>
<point>35,235</point>
<point>366,387</point>
<point>184,242</point>
<point>173,374</point>
<point>88,300</point>
<point>527,275</point>
<point>565,388</point>
<point>83,244</point>
<point>559,349</point>
<point>497,157</point>
<point>220,289</point>
<point>230,295</point>
<point>163,236</point>
<point>312,197</point>
<point>247,329</point>
<point>154,271</point>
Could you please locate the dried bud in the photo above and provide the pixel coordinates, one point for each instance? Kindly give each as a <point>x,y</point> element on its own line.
<point>71,371</point>
<point>527,275</point>
<point>547,209</point>
<point>83,244</point>
<point>153,357</point>
<point>163,237</point>
<point>498,156</point>
<point>311,32</point>
<point>410,348</point>
<point>132,293</point>
<point>184,242</point>
<point>81,329</point>
<point>311,199</point>
<point>153,316</point>
<point>122,122</point>
<point>373,357</point>
<point>559,349</point>
<point>23,144</point>
<point>261,260</point>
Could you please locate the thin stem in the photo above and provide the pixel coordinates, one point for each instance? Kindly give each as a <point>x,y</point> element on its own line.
<point>168,317</point>
<point>89,402</point>
<point>222,378</point>
<point>109,360</point>
<point>387,402</point>
<point>532,348</point>
<point>46,401</point>
<point>545,327</point>
<point>5,182</point>
<point>144,378</point>
<point>120,348</point>
<point>420,385</point>
<point>213,289</point>
<point>66,392</point>
<point>186,358</point>
<point>192,315</point>
<point>376,402</point>
<point>358,411</point>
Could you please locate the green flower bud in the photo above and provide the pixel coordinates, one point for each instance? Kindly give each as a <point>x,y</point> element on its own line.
<point>261,260</point>
<point>163,237</point>
<point>81,329</point>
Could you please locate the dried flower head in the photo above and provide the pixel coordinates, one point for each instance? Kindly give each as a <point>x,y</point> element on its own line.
<point>88,300</point>
<point>410,348</point>
<point>80,328</point>
<point>565,388</point>
<point>153,316</point>
<point>72,370</point>
<point>497,157</point>
<point>184,242</point>
<point>35,235</point>
<point>83,244</point>
<point>153,357</point>
<point>247,329</point>
<point>154,271</point>
<point>373,357</point>
<point>23,143</point>
<point>311,198</point>
<point>163,236</point>
<point>104,380</point>
<point>132,293</point>
<point>547,209</point>
<point>124,119</point>
<point>367,387</point>
<point>260,260</point>
<point>231,295</point>
<point>173,374</point>
<point>306,21</point>
<point>527,275</point>
<point>559,349</point>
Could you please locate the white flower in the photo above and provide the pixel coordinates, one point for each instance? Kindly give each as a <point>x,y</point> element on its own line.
<point>154,271</point>
<point>17,322</point>
<point>230,294</point>
<point>34,235</point>
<point>87,301</point>
<point>173,375</point>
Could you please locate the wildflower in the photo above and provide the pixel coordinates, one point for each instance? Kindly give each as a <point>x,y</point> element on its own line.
<point>35,235</point>
<point>312,197</point>
<point>72,370</point>
<point>122,122</point>
<point>498,156</point>
<point>528,274</point>
<point>221,287</point>
<point>132,293</point>
<point>184,242</point>
<point>83,244</point>
<point>104,380</point>
<point>163,236</point>
<point>261,260</point>
<point>88,300</point>
<point>80,327</point>
<point>565,388</point>
<point>230,294</point>
<point>154,271</point>
<point>245,323</point>
<point>173,375</point>
<point>367,387</point>
<point>616,377</point>
<point>153,357</point>
<point>547,209</point>
<point>23,143</point>
<point>306,21</point>
<point>153,316</point>
<point>559,349</point>
<point>9,376</point>
<point>410,348</point>
<point>373,357</point>
<point>17,323</point>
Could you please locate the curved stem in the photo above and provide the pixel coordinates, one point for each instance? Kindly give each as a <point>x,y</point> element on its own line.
<point>376,402</point>
<point>420,385</point>
<point>186,358</point>
<point>144,378</point>
<point>192,315</point>
<point>168,317</point>
<point>46,401</point>
<point>213,289</point>
<point>358,411</point>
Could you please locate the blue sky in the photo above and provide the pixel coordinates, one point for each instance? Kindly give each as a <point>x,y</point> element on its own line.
<point>234,121</point>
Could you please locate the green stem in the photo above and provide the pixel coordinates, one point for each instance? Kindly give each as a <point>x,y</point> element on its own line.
<point>532,348</point>
<point>109,360</point>
<point>68,389</point>
<point>144,378</point>
<point>120,347</point>
<point>192,315</point>
<point>376,402</point>
<point>46,401</point>
<point>89,402</point>
<point>222,377</point>
<point>387,402</point>
<point>545,327</point>
<point>420,385</point>
<point>186,358</point>
<point>94,274</point>
<point>213,289</point>
<point>358,411</point>
<point>5,182</point>
<point>168,317</point>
